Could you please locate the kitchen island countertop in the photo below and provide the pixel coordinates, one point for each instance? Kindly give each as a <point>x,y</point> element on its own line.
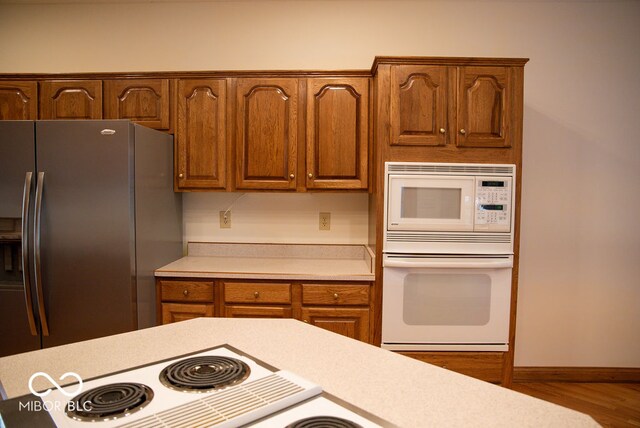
<point>401,390</point>
<point>273,261</point>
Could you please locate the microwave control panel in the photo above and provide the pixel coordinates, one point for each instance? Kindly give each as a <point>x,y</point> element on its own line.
<point>493,204</point>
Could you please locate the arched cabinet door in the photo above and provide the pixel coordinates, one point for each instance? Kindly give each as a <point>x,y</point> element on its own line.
<point>71,99</point>
<point>201,134</point>
<point>418,108</point>
<point>144,101</point>
<point>266,133</point>
<point>484,107</point>
<point>337,133</point>
<point>18,100</point>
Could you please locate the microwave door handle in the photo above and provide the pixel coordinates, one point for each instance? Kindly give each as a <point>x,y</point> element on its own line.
<point>449,263</point>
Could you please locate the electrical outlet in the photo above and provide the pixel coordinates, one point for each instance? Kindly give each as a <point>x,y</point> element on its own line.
<point>225,219</point>
<point>325,221</point>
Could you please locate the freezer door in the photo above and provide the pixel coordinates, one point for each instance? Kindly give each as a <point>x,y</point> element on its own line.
<point>18,328</point>
<point>86,248</point>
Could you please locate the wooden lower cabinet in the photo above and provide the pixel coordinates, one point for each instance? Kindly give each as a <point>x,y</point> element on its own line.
<point>486,366</point>
<point>184,299</point>
<point>340,307</point>
<point>350,322</point>
<point>174,312</point>
<point>256,299</point>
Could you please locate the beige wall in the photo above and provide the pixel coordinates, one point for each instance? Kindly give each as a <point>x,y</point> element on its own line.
<point>579,301</point>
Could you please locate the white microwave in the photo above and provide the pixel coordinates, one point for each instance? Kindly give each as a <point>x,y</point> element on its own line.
<point>449,208</point>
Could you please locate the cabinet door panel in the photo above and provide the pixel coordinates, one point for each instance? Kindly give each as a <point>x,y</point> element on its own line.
<point>484,107</point>
<point>266,133</point>
<point>418,107</point>
<point>174,312</point>
<point>350,322</point>
<point>337,132</point>
<point>18,100</point>
<point>201,134</point>
<point>71,99</point>
<point>234,311</point>
<point>145,101</point>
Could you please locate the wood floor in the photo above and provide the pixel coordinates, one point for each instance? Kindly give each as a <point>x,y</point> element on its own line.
<point>610,404</point>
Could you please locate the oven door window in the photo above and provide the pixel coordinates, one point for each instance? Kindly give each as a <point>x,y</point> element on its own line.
<point>446,299</point>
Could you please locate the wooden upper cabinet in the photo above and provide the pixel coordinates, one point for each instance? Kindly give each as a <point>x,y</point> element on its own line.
<point>71,99</point>
<point>18,100</point>
<point>266,133</point>
<point>337,133</point>
<point>201,134</point>
<point>419,105</point>
<point>484,107</point>
<point>443,105</point>
<point>144,101</point>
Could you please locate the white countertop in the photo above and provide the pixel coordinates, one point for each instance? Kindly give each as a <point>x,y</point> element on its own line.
<point>273,261</point>
<point>401,390</point>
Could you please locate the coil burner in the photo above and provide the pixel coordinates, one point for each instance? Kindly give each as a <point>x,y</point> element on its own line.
<point>323,422</point>
<point>109,402</point>
<point>206,373</point>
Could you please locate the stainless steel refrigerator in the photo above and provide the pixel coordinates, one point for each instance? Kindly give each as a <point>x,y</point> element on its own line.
<point>87,213</point>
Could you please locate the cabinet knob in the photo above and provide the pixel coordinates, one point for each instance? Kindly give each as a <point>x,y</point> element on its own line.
<point>442,130</point>
<point>181,175</point>
<point>462,131</point>
<point>185,292</point>
<point>310,175</point>
<point>292,176</point>
<point>256,294</point>
<point>335,296</point>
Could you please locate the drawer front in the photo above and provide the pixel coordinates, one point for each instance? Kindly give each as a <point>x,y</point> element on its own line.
<point>256,292</point>
<point>187,291</point>
<point>335,294</point>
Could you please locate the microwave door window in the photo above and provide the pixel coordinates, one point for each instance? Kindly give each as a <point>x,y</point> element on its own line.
<point>431,203</point>
<point>446,299</point>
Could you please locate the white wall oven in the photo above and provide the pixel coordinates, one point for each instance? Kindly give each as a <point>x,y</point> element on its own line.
<point>448,256</point>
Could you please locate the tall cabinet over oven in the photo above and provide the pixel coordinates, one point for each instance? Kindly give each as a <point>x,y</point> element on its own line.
<point>440,116</point>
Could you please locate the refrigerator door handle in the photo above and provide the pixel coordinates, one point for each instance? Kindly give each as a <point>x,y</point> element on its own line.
<point>36,245</point>
<point>26,281</point>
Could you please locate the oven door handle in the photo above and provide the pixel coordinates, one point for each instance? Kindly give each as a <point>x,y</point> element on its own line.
<point>448,262</point>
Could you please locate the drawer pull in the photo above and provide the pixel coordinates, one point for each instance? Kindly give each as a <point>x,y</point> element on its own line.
<point>185,292</point>
<point>335,296</point>
<point>256,294</point>
<point>307,321</point>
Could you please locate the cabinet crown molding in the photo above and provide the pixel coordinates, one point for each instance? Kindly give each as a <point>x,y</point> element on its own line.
<point>443,60</point>
<point>416,60</point>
